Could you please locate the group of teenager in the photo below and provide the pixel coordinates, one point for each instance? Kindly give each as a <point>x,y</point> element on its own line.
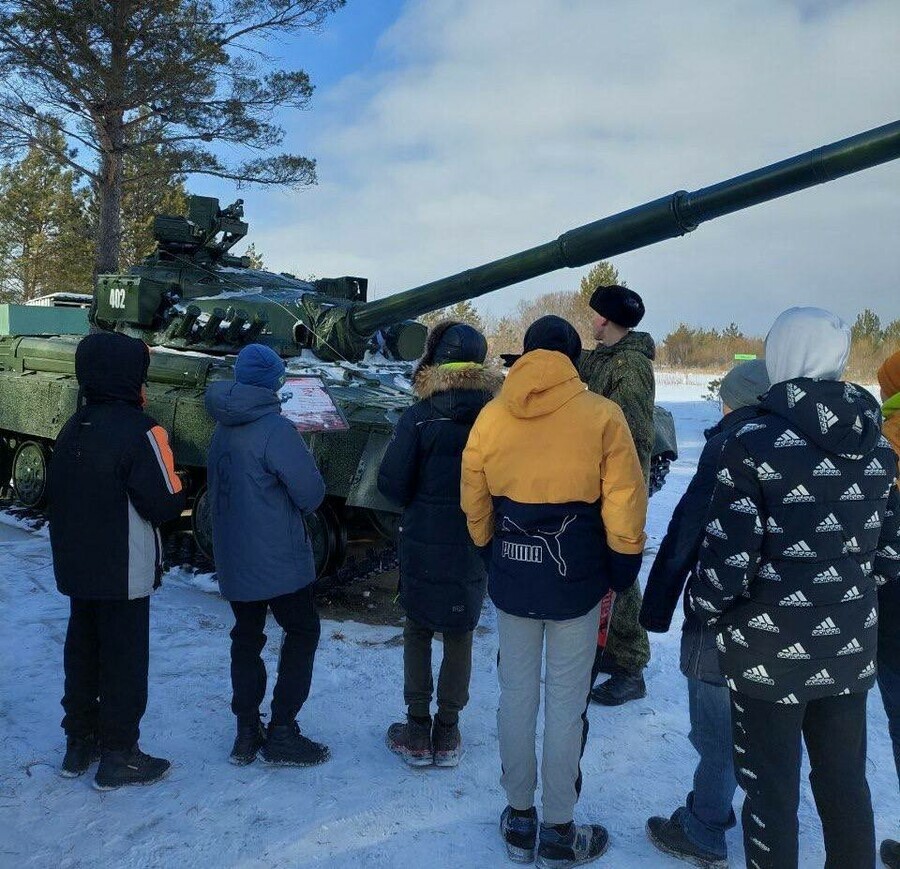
<point>531,487</point>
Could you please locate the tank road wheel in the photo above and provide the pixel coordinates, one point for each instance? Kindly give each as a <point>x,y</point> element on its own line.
<point>328,538</point>
<point>201,523</point>
<point>30,470</point>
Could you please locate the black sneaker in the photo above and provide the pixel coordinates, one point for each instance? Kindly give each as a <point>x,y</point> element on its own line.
<point>519,834</point>
<point>890,853</point>
<point>81,752</point>
<point>132,767</point>
<point>285,745</point>
<point>249,740</point>
<point>620,688</point>
<point>447,744</point>
<point>562,846</point>
<point>411,740</point>
<point>668,835</point>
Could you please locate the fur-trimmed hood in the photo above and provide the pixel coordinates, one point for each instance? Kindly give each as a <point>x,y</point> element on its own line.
<point>431,379</point>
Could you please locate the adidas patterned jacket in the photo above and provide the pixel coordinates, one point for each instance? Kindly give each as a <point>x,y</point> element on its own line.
<point>804,523</point>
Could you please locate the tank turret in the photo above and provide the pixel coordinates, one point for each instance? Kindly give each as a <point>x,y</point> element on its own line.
<point>193,294</point>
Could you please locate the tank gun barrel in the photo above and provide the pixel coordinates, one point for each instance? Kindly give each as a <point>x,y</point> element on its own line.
<point>670,216</point>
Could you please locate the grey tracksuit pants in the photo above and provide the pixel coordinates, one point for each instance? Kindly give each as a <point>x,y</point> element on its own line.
<point>570,649</point>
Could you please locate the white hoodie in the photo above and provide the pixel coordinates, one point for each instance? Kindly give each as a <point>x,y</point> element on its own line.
<point>807,342</point>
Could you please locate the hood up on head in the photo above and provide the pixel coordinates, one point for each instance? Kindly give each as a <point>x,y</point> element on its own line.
<point>541,382</point>
<point>807,342</point>
<point>111,367</point>
<point>232,403</point>
<point>840,418</point>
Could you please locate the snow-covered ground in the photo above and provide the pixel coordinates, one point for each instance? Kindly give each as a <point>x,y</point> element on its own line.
<point>364,808</point>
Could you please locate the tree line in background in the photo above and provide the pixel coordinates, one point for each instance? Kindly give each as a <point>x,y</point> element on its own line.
<point>48,232</point>
<point>684,347</point>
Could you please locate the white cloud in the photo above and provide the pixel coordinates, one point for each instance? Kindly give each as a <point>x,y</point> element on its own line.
<point>489,127</point>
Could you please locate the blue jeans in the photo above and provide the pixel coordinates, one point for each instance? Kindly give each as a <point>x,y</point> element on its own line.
<point>707,813</point>
<point>889,685</point>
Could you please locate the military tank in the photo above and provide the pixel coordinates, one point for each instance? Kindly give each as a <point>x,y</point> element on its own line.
<point>196,304</point>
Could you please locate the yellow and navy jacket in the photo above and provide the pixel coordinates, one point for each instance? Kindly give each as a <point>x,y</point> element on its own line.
<point>551,478</point>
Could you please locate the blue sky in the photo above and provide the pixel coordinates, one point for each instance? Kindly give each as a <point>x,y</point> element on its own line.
<point>451,132</point>
<point>348,41</point>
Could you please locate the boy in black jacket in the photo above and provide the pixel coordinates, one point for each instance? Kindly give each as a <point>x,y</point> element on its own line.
<point>112,483</point>
<point>696,831</point>
<point>442,574</point>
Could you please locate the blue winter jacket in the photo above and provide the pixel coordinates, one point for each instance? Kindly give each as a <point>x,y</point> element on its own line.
<point>262,480</point>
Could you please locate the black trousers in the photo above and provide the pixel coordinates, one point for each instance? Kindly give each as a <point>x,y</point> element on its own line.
<point>297,615</point>
<point>767,764</point>
<point>453,679</point>
<point>106,656</point>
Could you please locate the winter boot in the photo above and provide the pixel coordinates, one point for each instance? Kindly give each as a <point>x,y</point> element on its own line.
<point>285,745</point>
<point>620,688</point>
<point>411,739</point>
<point>131,767</point>
<point>519,831</point>
<point>562,846</point>
<point>890,853</point>
<point>668,835</point>
<point>81,752</point>
<point>447,743</point>
<point>249,740</point>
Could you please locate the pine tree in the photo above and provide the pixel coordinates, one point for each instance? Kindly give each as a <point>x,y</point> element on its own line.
<point>91,83</point>
<point>256,258</point>
<point>602,274</point>
<point>46,245</point>
<point>464,312</point>
<point>151,185</point>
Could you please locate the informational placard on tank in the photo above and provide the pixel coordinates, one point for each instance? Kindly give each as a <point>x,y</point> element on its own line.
<point>308,405</point>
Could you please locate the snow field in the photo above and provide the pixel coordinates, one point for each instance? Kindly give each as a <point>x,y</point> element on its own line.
<point>364,808</point>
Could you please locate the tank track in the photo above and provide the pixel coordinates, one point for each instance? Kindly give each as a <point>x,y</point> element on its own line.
<point>179,550</point>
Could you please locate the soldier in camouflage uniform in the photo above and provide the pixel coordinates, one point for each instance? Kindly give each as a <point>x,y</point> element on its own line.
<point>620,368</point>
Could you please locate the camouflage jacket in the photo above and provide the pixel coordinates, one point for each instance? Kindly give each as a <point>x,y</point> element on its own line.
<point>623,373</point>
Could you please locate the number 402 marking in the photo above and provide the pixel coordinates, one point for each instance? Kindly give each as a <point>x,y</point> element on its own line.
<point>116,298</point>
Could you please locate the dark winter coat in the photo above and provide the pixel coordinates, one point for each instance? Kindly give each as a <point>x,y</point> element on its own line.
<point>442,573</point>
<point>112,479</point>
<point>678,553</point>
<point>551,478</point>
<point>804,522</point>
<point>623,373</point>
<point>262,480</point>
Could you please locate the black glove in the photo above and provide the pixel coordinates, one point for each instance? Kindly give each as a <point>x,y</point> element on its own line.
<point>659,470</point>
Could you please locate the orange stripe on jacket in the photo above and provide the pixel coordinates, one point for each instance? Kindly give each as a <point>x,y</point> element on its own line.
<point>159,440</point>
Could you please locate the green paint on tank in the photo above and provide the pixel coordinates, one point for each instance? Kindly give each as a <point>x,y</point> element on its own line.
<point>196,305</point>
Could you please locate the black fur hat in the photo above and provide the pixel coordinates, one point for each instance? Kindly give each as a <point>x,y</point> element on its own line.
<point>452,341</point>
<point>619,304</point>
